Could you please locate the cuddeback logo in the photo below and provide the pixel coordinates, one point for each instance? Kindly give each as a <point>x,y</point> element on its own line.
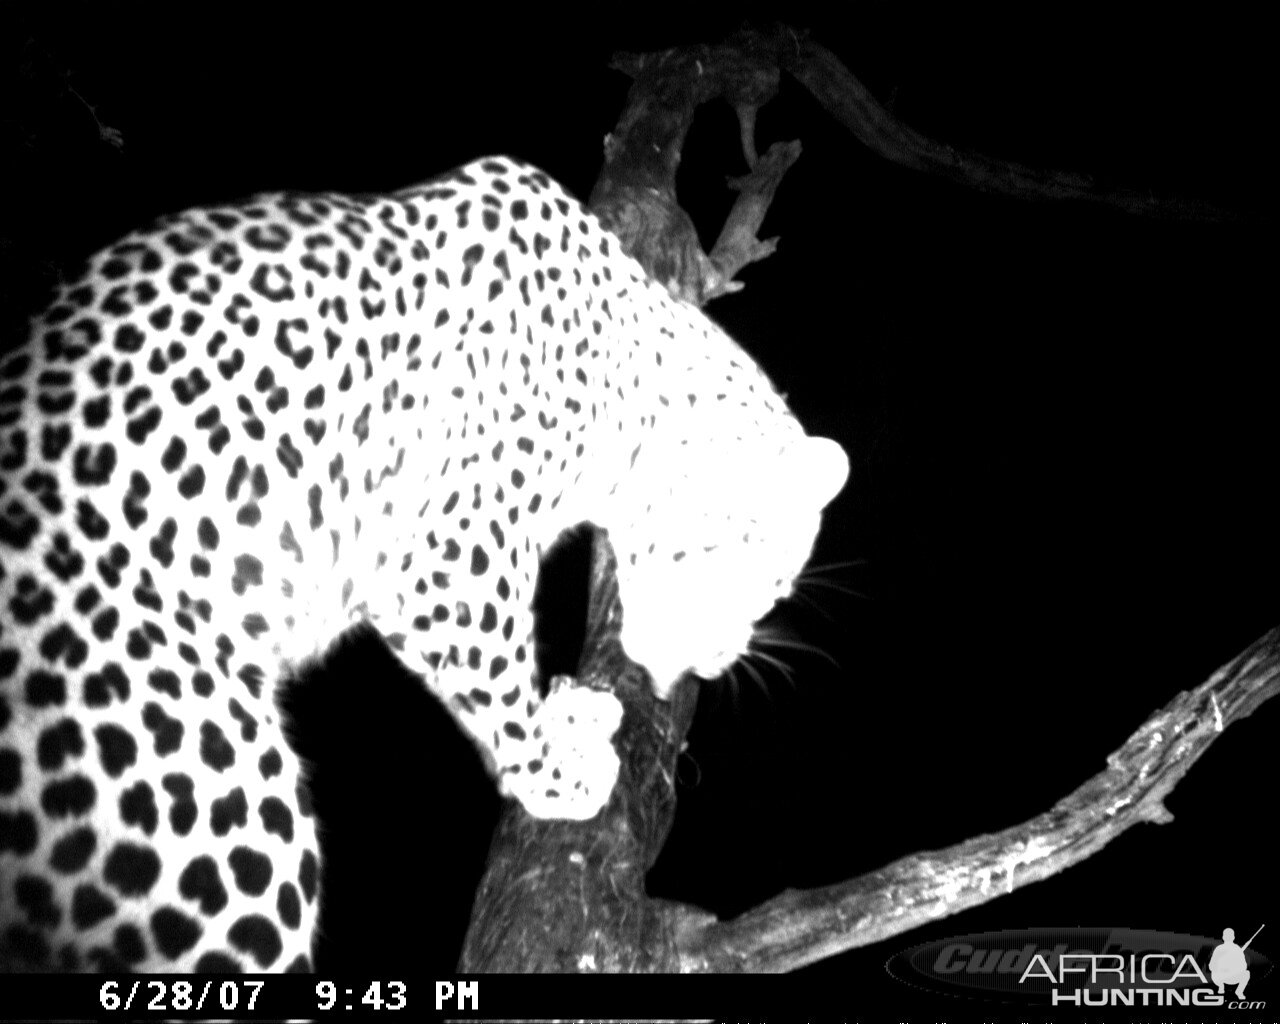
<point>1081,967</point>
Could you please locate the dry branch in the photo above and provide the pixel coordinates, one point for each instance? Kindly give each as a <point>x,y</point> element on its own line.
<point>801,927</point>
<point>852,105</point>
<point>635,194</point>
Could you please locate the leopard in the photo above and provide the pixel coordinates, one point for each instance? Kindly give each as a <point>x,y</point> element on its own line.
<point>241,433</point>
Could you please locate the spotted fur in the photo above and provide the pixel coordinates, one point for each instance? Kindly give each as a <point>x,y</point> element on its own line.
<point>248,428</point>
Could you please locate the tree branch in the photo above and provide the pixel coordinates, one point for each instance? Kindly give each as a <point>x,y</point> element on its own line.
<point>798,928</point>
<point>852,105</point>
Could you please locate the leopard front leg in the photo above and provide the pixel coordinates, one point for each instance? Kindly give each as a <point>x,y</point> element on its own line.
<point>570,767</point>
<point>471,636</point>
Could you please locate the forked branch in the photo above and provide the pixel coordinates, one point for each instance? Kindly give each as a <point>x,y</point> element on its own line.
<point>635,195</point>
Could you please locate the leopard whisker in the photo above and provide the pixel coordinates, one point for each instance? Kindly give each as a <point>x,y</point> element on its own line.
<point>767,639</point>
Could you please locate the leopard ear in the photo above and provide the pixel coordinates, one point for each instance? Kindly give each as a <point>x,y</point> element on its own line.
<point>817,469</point>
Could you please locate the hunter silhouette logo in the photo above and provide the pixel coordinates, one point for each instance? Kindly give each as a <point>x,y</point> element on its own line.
<point>1227,965</point>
